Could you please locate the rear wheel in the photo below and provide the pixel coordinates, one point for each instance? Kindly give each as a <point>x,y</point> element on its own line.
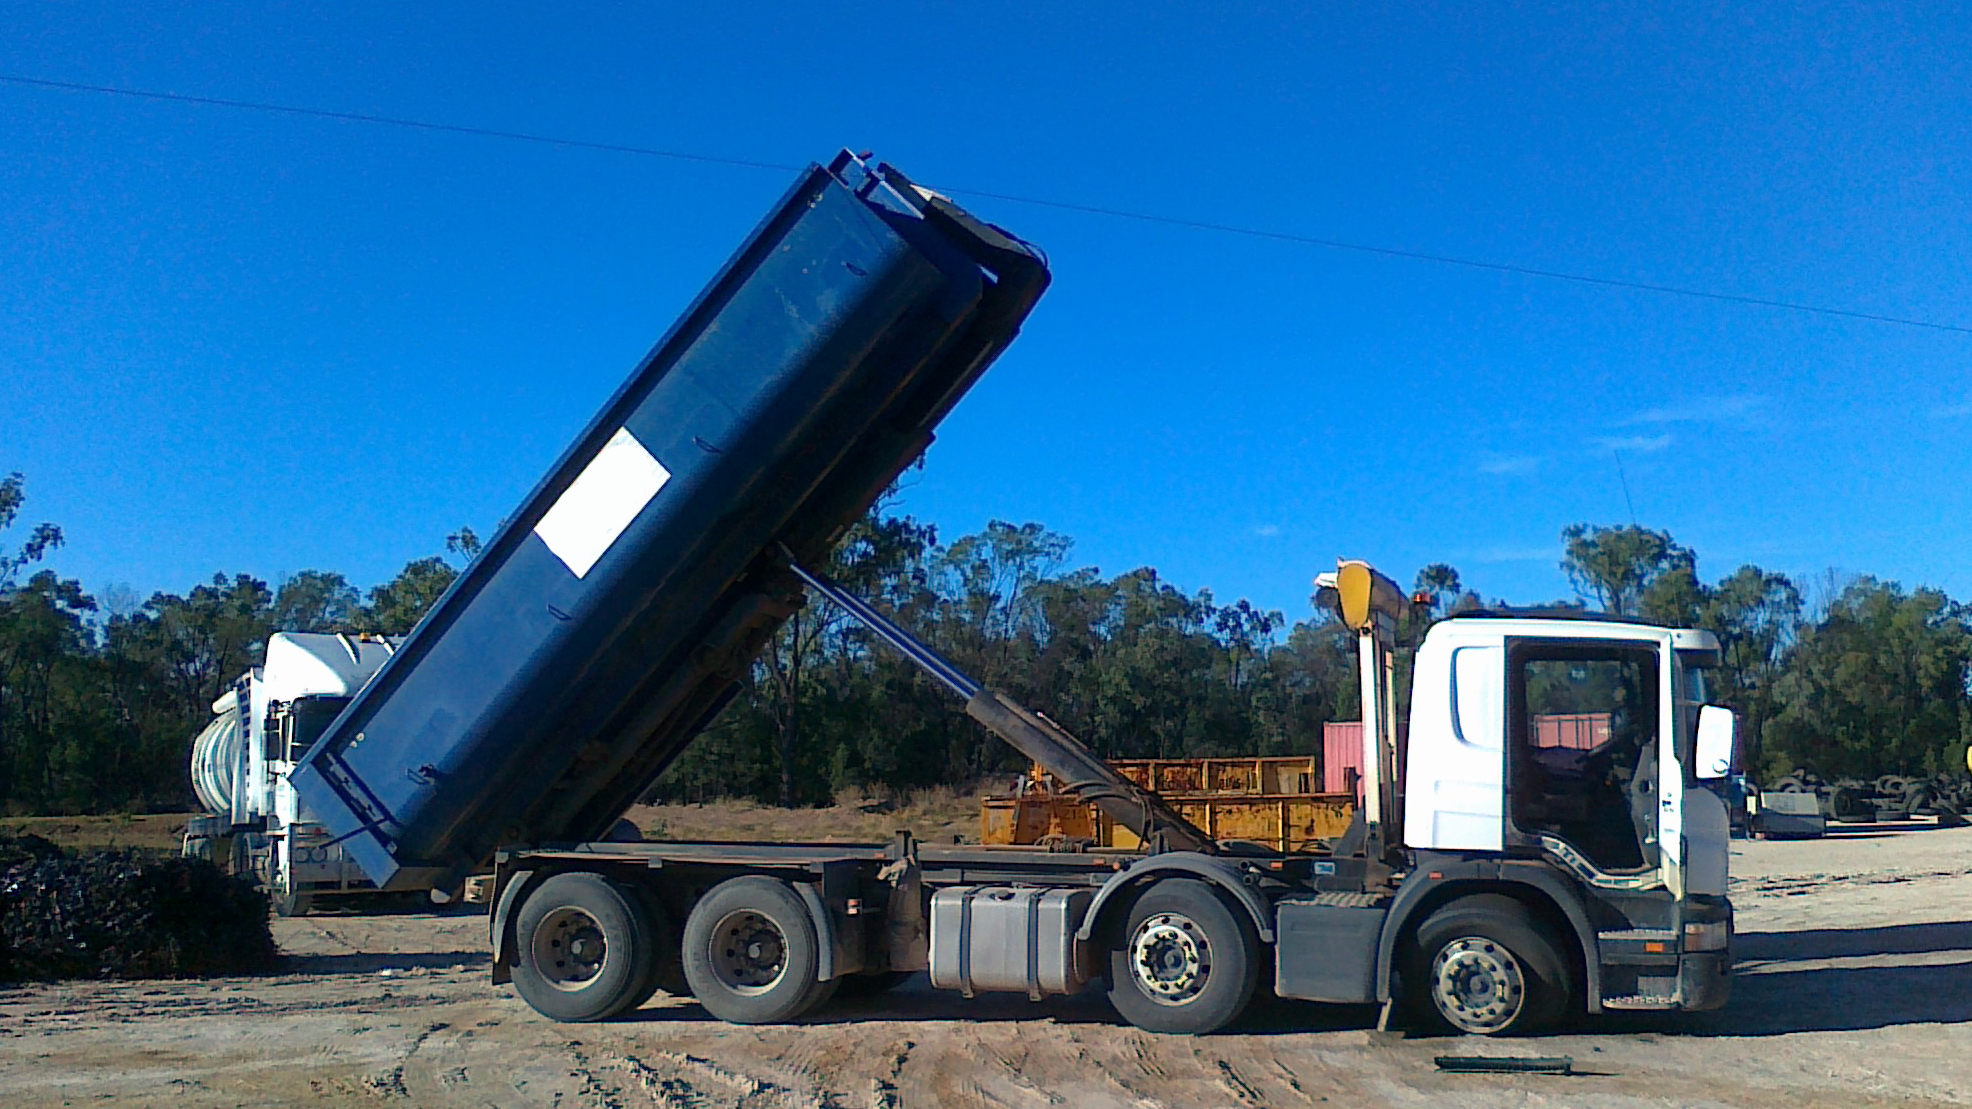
<point>1486,965</point>
<point>751,953</point>
<point>667,970</point>
<point>1187,961</point>
<point>585,945</point>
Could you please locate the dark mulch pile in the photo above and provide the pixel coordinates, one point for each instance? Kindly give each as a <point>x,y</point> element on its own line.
<point>15,850</point>
<point>122,914</point>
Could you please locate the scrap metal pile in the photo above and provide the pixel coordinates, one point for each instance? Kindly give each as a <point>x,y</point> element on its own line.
<point>123,914</point>
<point>1889,797</point>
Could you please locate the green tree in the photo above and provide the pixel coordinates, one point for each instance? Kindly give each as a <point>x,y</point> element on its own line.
<point>1246,631</point>
<point>1439,583</point>
<point>1878,686</point>
<point>199,643</point>
<point>1757,615</point>
<point>1617,566</point>
<point>42,539</point>
<point>316,601</point>
<point>44,757</point>
<point>396,606</point>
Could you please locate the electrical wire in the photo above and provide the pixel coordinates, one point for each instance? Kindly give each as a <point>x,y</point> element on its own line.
<point>1469,263</point>
<point>1010,198</point>
<point>395,121</point>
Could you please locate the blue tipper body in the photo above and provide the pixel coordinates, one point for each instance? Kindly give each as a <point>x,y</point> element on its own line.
<point>612,616</point>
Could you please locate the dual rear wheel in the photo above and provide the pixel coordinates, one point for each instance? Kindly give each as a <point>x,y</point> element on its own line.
<point>590,948</point>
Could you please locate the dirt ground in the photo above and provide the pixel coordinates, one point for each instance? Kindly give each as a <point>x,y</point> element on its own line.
<point>1855,989</point>
<point>146,832</point>
<point>937,815</point>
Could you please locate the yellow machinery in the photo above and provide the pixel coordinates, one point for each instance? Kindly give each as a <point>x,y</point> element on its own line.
<point>1270,801</point>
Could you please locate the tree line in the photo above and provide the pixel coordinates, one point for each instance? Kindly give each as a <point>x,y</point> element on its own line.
<point>99,698</point>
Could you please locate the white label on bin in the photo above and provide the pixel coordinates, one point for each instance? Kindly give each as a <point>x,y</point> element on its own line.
<point>604,498</point>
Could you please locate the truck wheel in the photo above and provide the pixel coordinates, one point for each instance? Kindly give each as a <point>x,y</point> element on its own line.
<point>751,953</point>
<point>667,970</point>
<point>289,901</point>
<point>1186,962</point>
<point>1485,965</point>
<point>584,947</point>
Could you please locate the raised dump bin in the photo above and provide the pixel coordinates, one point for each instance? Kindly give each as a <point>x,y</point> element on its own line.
<point>609,618</point>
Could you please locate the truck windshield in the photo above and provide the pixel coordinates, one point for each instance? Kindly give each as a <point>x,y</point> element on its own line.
<point>309,718</point>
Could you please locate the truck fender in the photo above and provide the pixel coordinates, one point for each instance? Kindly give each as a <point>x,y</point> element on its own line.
<point>1189,864</point>
<point>497,922</point>
<point>1442,876</point>
<point>825,930</point>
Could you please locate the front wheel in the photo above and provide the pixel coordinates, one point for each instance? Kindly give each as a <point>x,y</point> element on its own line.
<point>1486,965</point>
<point>1187,961</point>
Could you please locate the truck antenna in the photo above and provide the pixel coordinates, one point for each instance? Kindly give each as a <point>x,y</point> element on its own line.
<point>1625,479</point>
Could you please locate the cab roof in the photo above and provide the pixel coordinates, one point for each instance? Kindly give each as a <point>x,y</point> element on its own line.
<point>1528,621</point>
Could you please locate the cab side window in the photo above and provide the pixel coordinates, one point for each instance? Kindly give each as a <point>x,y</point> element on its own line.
<point>1583,733</point>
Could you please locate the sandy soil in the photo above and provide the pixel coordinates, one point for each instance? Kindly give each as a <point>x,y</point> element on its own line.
<point>147,832</point>
<point>1855,990</point>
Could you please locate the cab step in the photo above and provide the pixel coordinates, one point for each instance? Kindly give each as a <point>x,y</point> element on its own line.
<point>1638,1001</point>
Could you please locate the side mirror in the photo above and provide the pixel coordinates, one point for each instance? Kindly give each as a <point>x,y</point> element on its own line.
<point>1713,759</point>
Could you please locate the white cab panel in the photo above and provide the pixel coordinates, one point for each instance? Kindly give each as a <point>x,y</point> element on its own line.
<point>1707,843</point>
<point>1455,774</point>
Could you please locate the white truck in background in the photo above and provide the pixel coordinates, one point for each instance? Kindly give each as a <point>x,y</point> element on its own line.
<point>253,822</point>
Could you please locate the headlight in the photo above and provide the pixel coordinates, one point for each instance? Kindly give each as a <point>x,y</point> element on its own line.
<point>1707,936</point>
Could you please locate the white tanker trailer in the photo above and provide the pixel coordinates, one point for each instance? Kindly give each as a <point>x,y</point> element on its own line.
<point>253,823</point>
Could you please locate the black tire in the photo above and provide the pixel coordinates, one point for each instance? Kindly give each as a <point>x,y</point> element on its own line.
<point>751,954</point>
<point>1486,965</point>
<point>289,901</point>
<point>1186,961</point>
<point>583,948</point>
<point>667,969</point>
<point>239,857</point>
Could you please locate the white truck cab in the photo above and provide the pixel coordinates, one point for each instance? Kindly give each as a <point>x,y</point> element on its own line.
<point>254,822</point>
<point>1478,776</point>
<point>1622,804</point>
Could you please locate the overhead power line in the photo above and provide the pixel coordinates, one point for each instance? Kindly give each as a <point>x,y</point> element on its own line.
<point>1012,198</point>
<point>394,121</point>
<point>1473,263</point>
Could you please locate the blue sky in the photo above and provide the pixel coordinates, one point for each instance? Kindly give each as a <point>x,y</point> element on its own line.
<point>260,343</point>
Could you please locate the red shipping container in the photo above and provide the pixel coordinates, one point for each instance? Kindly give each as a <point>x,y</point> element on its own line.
<point>1342,757</point>
<point>1577,731</point>
<point>1342,744</point>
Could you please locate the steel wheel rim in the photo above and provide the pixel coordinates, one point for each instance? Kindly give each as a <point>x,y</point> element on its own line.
<point>1478,984</point>
<point>749,952</point>
<point>1170,958</point>
<point>570,949</point>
